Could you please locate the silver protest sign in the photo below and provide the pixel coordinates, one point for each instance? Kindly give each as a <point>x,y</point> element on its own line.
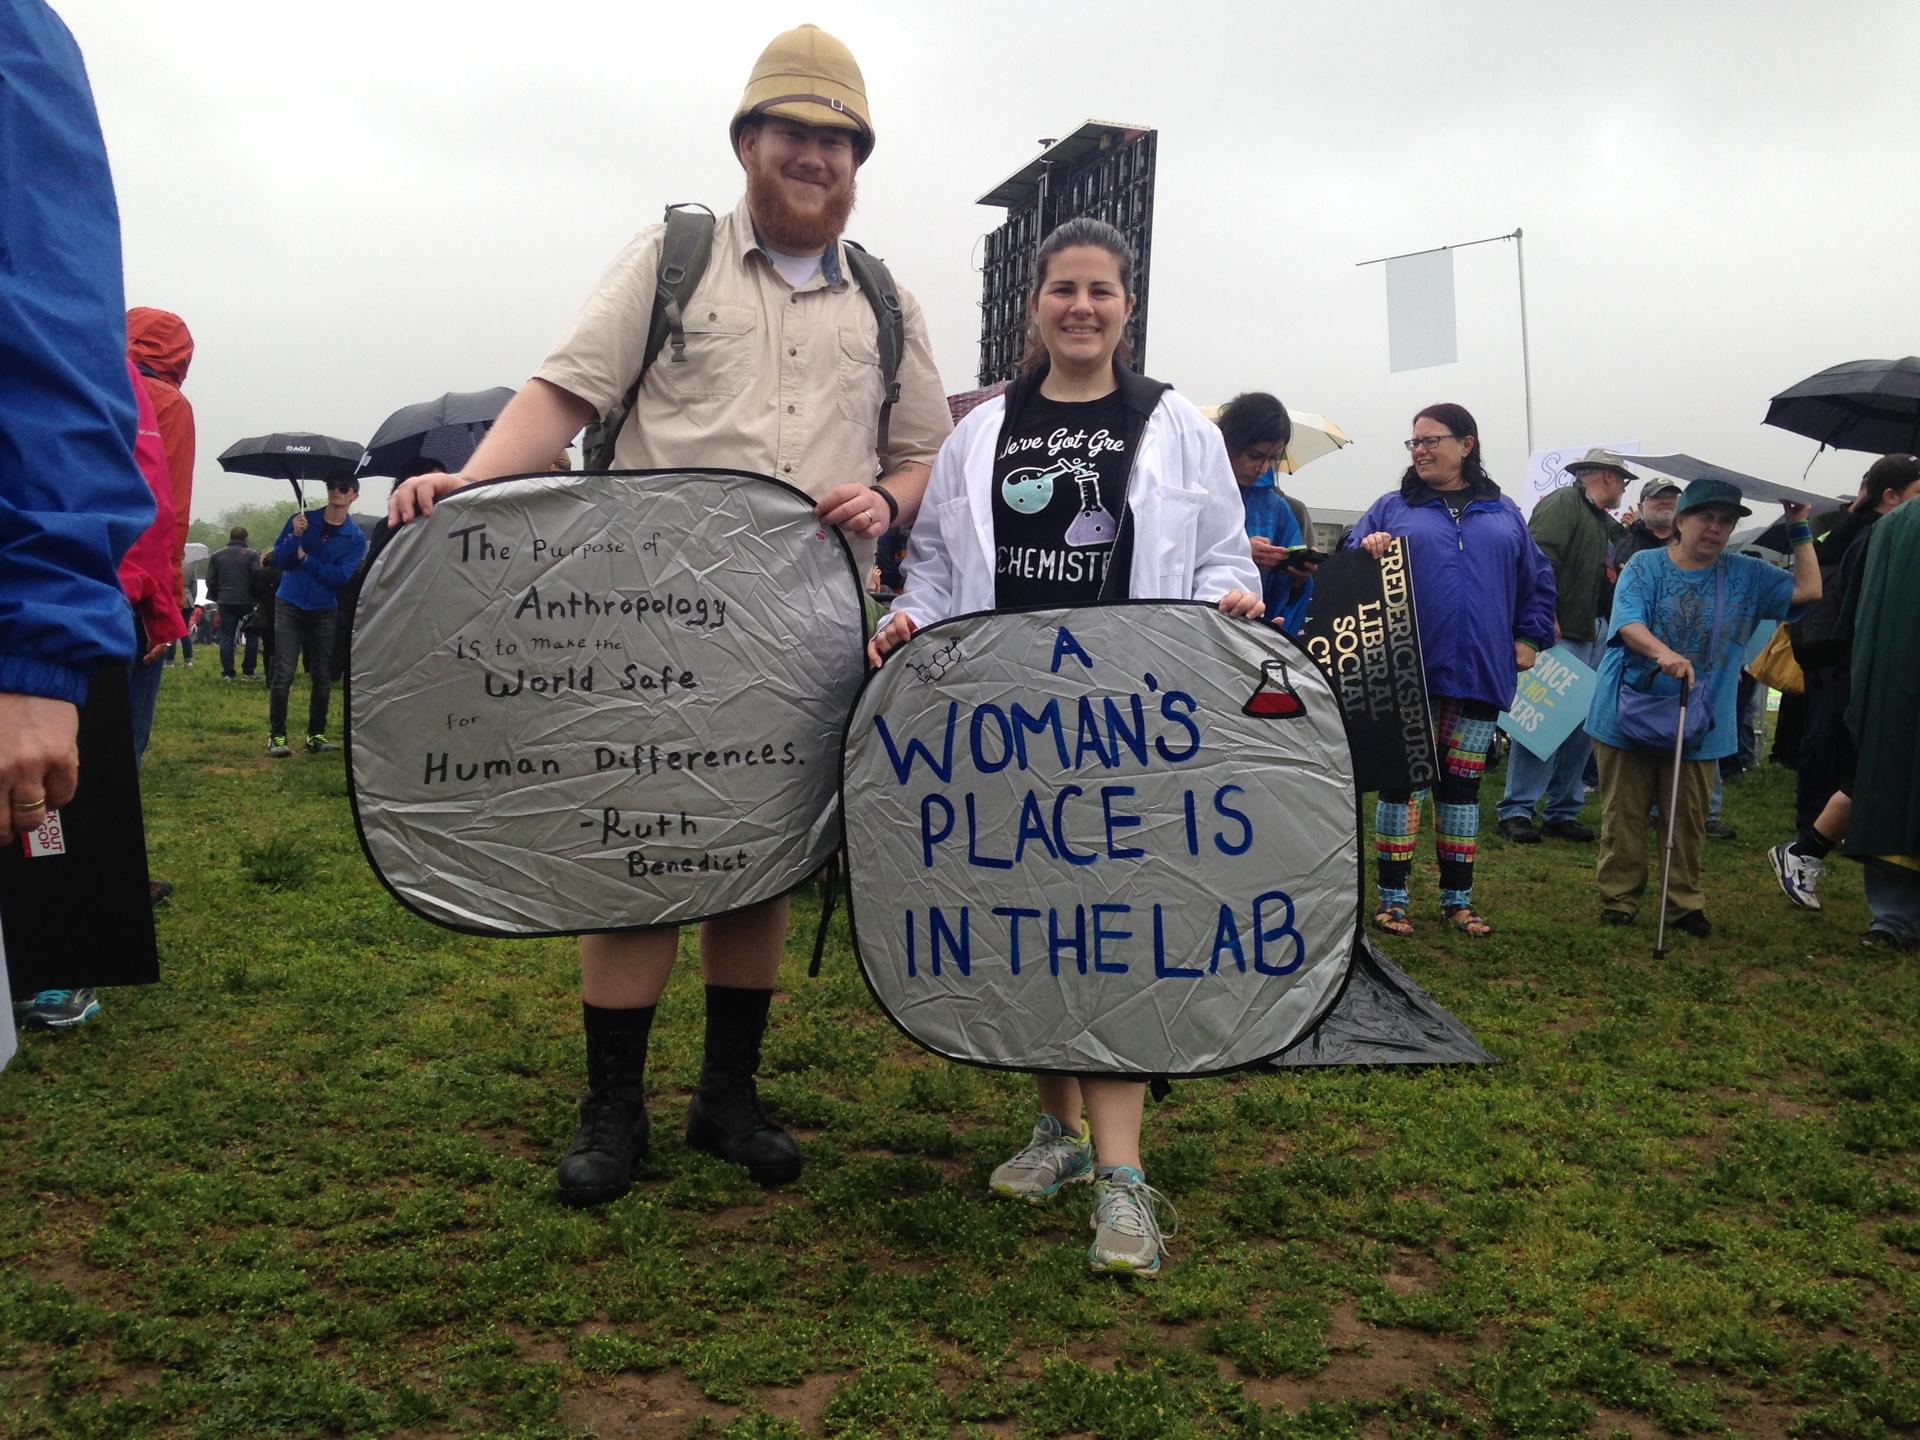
<point>1115,840</point>
<point>600,701</point>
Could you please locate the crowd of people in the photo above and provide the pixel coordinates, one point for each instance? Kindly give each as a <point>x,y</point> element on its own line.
<point>1171,506</point>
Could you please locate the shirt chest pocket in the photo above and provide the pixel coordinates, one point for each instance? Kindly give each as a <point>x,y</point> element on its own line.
<point>1168,531</point>
<point>719,354</point>
<point>857,387</point>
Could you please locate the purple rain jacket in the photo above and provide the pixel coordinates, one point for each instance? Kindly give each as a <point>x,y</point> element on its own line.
<point>1479,584</point>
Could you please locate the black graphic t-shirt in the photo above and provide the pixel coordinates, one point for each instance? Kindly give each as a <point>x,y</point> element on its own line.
<point>1455,500</point>
<point>1059,497</point>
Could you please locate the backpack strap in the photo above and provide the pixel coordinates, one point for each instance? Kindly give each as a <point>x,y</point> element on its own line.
<point>684,252</point>
<point>876,283</point>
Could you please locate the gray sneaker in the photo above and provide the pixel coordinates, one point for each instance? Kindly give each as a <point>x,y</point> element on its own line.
<point>1127,1238</point>
<point>1799,875</point>
<point>1052,1159</point>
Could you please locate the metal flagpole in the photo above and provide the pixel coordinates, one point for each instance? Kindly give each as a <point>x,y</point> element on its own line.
<point>1526,359</point>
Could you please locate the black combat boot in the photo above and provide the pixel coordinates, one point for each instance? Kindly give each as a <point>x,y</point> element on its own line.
<point>612,1138</point>
<point>725,1118</point>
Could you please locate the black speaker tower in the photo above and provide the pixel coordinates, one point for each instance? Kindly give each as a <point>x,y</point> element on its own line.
<point>1102,170</point>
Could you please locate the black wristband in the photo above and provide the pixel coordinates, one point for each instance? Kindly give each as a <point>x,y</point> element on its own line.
<point>893,505</point>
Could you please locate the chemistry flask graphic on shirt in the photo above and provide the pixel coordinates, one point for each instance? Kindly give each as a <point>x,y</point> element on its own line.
<point>1030,490</point>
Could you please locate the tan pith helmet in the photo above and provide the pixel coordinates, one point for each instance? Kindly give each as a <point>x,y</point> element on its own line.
<point>809,76</point>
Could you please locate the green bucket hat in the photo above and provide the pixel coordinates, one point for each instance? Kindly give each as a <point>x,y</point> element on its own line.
<point>1702,493</point>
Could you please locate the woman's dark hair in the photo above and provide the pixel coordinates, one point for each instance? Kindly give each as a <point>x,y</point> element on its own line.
<point>1254,418</point>
<point>1083,230</point>
<point>1460,423</point>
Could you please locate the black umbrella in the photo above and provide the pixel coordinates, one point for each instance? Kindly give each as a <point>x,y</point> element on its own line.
<point>1871,405</point>
<point>1686,468</point>
<point>448,430</point>
<point>293,456</point>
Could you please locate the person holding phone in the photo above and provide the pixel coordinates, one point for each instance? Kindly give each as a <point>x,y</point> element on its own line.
<point>1257,431</point>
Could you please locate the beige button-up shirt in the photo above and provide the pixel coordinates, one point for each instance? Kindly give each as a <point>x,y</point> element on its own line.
<point>781,381</point>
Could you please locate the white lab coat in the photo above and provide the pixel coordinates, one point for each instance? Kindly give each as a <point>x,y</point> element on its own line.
<point>1189,526</point>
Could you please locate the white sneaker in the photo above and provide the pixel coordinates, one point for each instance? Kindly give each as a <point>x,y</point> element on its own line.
<point>1127,1238</point>
<point>1799,875</point>
<point>1051,1160</point>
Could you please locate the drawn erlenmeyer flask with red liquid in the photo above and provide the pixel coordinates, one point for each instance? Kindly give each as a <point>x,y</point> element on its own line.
<point>1275,699</point>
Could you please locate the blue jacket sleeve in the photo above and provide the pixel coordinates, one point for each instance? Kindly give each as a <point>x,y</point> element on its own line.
<point>287,547</point>
<point>72,499</point>
<point>336,561</point>
<point>1374,519</point>
<point>1534,593</point>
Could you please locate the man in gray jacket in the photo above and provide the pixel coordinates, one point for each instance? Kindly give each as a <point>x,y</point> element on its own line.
<point>230,573</point>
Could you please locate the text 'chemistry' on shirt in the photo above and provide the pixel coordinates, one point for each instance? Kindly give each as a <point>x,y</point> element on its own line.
<point>1060,503</point>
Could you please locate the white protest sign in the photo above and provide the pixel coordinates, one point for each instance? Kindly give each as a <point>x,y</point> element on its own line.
<point>1547,471</point>
<point>1550,701</point>
<point>1114,840</point>
<point>594,702</point>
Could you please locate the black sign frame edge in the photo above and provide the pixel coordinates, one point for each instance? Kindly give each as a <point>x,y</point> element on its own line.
<point>1334,996</point>
<point>346,733</point>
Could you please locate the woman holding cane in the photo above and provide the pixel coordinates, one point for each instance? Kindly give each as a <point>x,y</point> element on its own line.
<point>1023,512</point>
<point>1681,617</point>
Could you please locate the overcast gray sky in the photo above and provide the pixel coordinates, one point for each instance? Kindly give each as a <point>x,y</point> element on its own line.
<point>362,205</point>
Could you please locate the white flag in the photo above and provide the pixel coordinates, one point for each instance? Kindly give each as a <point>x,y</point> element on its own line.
<point>1420,311</point>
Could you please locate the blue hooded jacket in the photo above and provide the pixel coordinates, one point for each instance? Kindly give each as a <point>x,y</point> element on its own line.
<point>1479,584</point>
<point>71,497</point>
<point>1270,517</point>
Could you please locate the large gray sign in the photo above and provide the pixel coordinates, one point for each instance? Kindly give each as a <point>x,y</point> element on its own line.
<point>592,702</point>
<point>1119,840</point>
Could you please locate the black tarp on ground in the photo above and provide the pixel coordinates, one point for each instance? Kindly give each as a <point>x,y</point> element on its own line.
<point>1384,1018</point>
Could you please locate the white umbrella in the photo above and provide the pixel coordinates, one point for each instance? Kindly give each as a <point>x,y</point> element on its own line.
<point>1313,436</point>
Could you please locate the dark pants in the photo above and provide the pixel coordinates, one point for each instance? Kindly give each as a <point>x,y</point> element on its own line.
<point>230,618</point>
<point>295,630</point>
<point>1820,743</point>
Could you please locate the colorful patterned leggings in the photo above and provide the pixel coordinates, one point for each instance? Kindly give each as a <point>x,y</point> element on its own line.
<point>1463,733</point>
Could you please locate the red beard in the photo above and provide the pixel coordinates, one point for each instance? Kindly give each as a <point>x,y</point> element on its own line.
<point>789,232</point>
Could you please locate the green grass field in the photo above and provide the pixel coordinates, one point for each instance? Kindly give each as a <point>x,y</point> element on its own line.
<point>304,1187</point>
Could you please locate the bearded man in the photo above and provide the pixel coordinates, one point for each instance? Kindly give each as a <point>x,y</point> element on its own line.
<point>781,375</point>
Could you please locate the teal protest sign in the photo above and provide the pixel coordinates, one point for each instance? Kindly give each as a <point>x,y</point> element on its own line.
<point>1114,840</point>
<point>1550,702</point>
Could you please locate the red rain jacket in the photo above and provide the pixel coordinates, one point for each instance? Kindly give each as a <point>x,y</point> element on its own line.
<point>161,348</point>
<point>149,572</point>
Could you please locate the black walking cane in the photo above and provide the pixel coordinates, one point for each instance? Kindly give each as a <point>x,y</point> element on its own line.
<point>1673,813</point>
